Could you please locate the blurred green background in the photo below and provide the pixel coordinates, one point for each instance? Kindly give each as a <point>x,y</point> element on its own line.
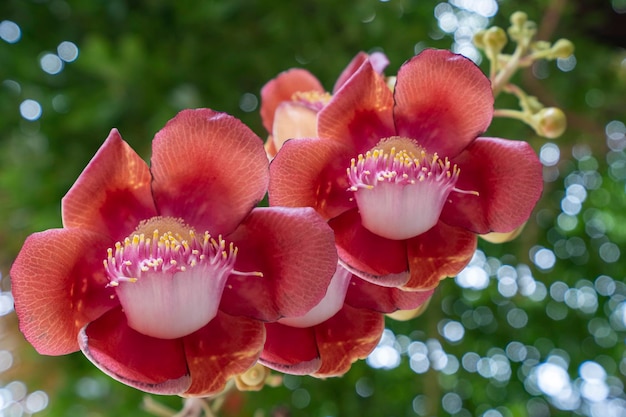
<point>535,327</point>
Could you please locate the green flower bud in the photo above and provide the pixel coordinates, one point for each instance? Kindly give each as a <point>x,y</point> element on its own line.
<point>562,48</point>
<point>495,38</point>
<point>550,122</point>
<point>479,39</point>
<point>518,19</point>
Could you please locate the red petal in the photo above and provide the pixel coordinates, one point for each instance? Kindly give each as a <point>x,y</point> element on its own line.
<point>152,365</point>
<point>225,347</point>
<point>349,335</point>
<point>112,195</point>
<point>363,294</point>
<point>59,285</point>
<point>209,169</point>
<point>291,350</point>
<point>378,60</point>
<point>360,113</point>
<point>443,100</point>
<point>295,251</point>
<point>441,252</point>
<point>312,173</point>
<point>371,257</point>
<point>507,175</point>
<point>282,88</point>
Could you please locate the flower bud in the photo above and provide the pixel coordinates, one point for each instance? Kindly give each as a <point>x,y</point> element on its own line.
<point>253,379</point>
<point>405,315</point>
<point>479,39</point>
<point>499,237</point>
<point>550,122</point>
<point>562,48</point>
<point>518,19</point>
<point>495,38</point>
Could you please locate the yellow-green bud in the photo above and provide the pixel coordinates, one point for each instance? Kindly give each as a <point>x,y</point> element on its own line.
<point>562,48</point>
<point>253,379</point>
<point>495,237</point>
<point>495,38</point>
<point>550,122</point>
<point>518,19</point>
<point>404,315</point>
<point>479,39</point>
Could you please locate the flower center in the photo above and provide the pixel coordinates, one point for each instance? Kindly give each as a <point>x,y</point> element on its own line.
<point>400,189</point>
<point>168,279</point>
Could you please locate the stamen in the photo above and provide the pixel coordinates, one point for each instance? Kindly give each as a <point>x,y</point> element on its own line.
<point>399,167</point>
<point>401,192</point>
<point>170,283</point>
<point>166,253</point>
<point>314,100</point>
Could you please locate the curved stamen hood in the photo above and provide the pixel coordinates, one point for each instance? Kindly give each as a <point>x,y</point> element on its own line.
<point>399,188</point>
<point>169,283</point>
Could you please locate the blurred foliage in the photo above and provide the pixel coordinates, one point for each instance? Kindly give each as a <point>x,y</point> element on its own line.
<point>141,61</point>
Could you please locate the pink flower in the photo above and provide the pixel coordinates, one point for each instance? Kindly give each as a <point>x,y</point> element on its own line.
<point>344,327</point>
<point>291,101</point>
<point>402,176</point>
<point>135,280</point>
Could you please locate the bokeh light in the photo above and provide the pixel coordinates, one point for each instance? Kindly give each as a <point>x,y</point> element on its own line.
<point>9,31</point>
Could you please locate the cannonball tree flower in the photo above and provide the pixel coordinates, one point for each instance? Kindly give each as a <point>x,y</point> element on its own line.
<point>345,326</point>
<point>291,101</point>
<point>164,275</point>
<point>403,177</point>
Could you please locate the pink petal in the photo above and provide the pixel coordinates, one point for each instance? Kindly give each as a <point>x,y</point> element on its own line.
<point>349,335</point>
<point>371,257</point>
<point>363,294</point>
<point>507,175</point>
<point>59,285</point>
<point>443,101</point>
<point>441,252</point>
<point>149,364</point>
<point>360,113</point>
<point>291,350</point>
<point>294,250</point>
<point>225,347</point>
<point>282,88</point>
<point>378,60</point>
<point>209,169</point>
<point>312,173</point>
<point>112,194</point>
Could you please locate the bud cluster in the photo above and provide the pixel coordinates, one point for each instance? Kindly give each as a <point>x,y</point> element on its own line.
<point>548,122</point>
